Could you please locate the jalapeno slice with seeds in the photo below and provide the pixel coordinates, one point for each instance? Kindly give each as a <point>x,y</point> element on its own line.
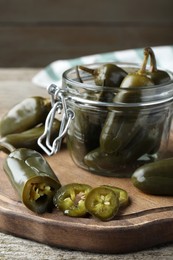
<point>103,203</point>
<point>123,195</point>
<point>70,199</point>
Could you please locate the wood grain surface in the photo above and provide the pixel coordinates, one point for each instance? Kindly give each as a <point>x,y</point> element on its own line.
<point>146,222</point>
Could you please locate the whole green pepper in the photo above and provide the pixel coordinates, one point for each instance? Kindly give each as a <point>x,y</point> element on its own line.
<point>119,128</point>
<point>25,115</point>
<point>127,158</point>
<point>84,132</point>
<point>143,145</point>
<point>107,76</point>
<point>114,135</point>
<point>157,76</point>
<point>155,178</point>
<point>32,178</point>
<point>105,164</point>
<point>28,138</point>
<point>88,93</point>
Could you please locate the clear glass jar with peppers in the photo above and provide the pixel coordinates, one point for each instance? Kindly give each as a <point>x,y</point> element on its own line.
<point>114,136</point>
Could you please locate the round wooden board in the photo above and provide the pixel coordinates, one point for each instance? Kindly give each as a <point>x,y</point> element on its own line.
<point>146,222</point>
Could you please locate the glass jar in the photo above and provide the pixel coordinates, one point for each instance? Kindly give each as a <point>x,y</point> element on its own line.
<point>112,138</point>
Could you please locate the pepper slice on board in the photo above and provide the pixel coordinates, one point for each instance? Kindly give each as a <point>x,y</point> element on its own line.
<point>123,195</point>
<point>70,199</point>
<point>102,203</point>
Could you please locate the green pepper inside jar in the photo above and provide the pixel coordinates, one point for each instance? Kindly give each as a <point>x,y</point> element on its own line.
<point>138,119</point>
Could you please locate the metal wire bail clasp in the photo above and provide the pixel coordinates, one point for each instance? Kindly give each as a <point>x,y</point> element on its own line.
<point>58,105</point>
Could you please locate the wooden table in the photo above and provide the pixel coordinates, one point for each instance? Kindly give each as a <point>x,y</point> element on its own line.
<point>15,84</point>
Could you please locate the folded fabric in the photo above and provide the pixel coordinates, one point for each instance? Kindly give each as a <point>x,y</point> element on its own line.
<point>53,72</point>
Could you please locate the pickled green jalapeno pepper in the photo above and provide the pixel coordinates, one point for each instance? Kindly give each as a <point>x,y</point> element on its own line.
<point>28,138</point>
<point>114,133</point>
<point>149,140</point>
<point>84,132</point>
<point>84,135</point>
<point>155,178</point>
<point>97,160</point>
<point>102,203</point>
<point>107,75</point>
<point>149,137</point>
<point>32,178</point>
<point>88,94</point>
<point>157,76</point>
<point>25,115</point>
<point>107,164</point>
<point>118,130</point>
<point>70,199</point>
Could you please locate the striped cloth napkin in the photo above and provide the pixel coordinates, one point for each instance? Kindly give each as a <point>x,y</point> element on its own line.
<point>53,72</point>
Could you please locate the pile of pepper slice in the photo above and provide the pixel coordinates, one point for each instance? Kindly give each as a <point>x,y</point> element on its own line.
<point>80,200</point>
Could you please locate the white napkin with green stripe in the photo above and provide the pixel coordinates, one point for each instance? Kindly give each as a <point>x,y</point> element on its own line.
<point>53,72</point>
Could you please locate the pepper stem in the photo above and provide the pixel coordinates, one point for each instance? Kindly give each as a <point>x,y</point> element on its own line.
<point>153,63</point>
<point>142,70</point>
<point>91,71</point>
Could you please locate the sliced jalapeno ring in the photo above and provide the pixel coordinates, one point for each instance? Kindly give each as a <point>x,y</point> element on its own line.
<point>70,199</point>
<point>102,203</point>
<point>123,195</point>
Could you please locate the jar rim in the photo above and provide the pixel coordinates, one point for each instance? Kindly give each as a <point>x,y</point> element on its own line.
<point>164,90</point>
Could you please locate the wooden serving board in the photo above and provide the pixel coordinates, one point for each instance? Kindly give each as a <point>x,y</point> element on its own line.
<point>146,222</point>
